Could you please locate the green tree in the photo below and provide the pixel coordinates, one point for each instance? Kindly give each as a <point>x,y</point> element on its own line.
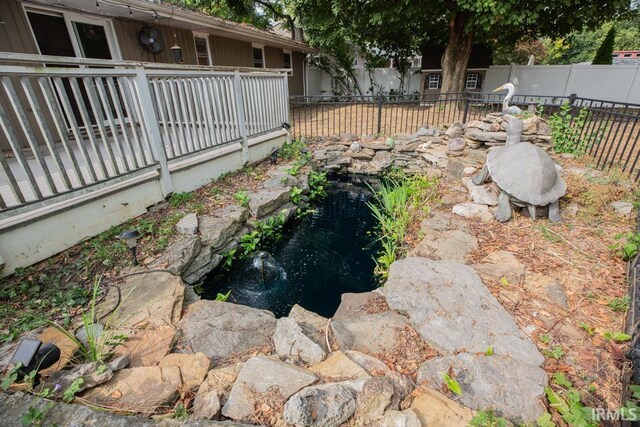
<point>399,27</point>
<point>603,55</point>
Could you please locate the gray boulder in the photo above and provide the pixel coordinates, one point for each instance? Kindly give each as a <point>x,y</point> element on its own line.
<point>373,401</point>
<point>188,224</point>
<point>216,231</point>
<point>452,310</point>
<point>219,329</point>
<point>406,418</point>
<point>177,257</point>
<point>370,333</point>
<point>514,389</point>
<point>266,201</point>
<point>291,343</point>
<point>456,130</point>
<point>326,405</point>
<point>261,376</point>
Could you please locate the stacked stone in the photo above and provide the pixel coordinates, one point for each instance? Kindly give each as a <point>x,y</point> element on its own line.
<point>491,131</point>
<point>207,238</point>
<point>371,155</point>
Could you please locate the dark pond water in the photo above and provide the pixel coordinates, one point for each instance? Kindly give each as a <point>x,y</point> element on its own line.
<point>319,257</point>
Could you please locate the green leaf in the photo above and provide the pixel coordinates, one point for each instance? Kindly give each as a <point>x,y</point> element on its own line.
<point>489,351</point>
<point>561,380</point>
<point>635,389</point>
<point>452,384</point>
<point>544,420</point>
<point>616,336</point>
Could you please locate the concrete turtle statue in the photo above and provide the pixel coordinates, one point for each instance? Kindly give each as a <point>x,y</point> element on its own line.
<point>526,176</point>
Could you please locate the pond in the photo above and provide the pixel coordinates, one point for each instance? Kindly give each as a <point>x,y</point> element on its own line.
<point>319,257</point>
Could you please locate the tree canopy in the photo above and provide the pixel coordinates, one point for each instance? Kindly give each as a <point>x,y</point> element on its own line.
<point>397,28</point>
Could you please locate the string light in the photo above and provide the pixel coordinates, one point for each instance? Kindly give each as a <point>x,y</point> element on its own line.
<point>156,15</point>
<point>98,4</point>
<point>130,12</point>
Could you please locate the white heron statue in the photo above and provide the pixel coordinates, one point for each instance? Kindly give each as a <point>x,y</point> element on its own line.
<point>511,90</point>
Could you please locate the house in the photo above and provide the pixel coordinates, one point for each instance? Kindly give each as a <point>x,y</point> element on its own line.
<point>137,100</point>
<point>477,67</point>
<point>147,31</point>
<point>626,57</point>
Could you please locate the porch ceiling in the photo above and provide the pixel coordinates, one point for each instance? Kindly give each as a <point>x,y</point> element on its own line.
<point>166,14</point>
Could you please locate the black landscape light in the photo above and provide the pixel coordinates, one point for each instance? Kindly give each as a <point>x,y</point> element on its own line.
<point>130,238</point>
<point>33,356</point>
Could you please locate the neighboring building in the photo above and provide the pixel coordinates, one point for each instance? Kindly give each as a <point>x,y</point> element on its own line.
<point>626,57</point>
<point>113,29</point>
<point>479,62</point>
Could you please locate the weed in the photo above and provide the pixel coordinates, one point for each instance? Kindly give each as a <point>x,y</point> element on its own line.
<point>566,131</point>
<point>296,195</point>
<point>452,384</point>
<point>33,417</point>
<point>317,185</point>
<point>180,199</point>
<point>223,297</point>
<point>616,336</point>
<point>229,257</point>
<point>488,418</point>
<point>629,248</point>
<point>556,352</point>
<point>590,330</point>
<point>620,304</point>
<point>100,339</point>
<point>270,229</point>
<point>242,198</point>
<point>70,393</point>
<point>294,170</point>
<point>180,412</point>
<point>292,150</point>
<point>567,401</point>
<point>489,351</point>
<point>11,376</point>
<point>549,234</point>
<point>198,208</point>
<point>249,242</point>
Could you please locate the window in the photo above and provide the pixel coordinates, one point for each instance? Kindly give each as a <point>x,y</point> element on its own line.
<point>355,62</point>
<point>628,55</point>
<point>203,53</point>
<point>416,62</point>
<point>71,34</point>
<point>434,81</point>
<point>472,81</point>
<point>287,60</point>
<point>258,57</point>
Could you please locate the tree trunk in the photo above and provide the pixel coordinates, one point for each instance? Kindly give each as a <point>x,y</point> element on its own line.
<point>456,55</point>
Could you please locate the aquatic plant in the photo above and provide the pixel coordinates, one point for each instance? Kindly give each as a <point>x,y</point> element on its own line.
<point>399,201</point>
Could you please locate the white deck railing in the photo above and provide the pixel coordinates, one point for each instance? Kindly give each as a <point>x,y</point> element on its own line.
<point>63,130</point>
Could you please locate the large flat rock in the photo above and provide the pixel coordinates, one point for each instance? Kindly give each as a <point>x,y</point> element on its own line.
<point>266,201</point>
<point>143,390</point>
<point>177,257</point>
<point>512,388</point>
<point>292,344</point>
<point>451,245</point>
<point>150,299</point>
<point>261,377</point>
<point>219,329</point>
<point>371,333</point>
<point>434,409</point>
<point>453,311</point>
<point>147,347</point>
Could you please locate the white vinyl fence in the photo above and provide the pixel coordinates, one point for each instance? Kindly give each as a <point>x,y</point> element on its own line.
<point>615,83</point>
<point>64,130</point>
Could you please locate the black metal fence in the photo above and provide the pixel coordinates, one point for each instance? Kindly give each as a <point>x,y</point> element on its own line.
<point>606,130</point>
